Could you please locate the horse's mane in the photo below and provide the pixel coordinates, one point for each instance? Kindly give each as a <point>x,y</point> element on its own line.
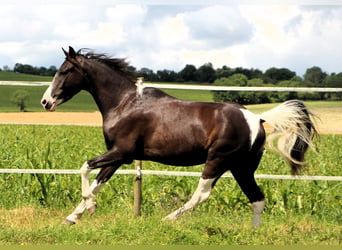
<point>117,64</point>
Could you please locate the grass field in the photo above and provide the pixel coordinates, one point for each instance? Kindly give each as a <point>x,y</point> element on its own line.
<point>82,101</point>
<point>33,206</point>
<point>12,76</point>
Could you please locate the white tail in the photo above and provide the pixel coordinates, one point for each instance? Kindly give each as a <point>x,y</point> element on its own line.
<point>294,129</point>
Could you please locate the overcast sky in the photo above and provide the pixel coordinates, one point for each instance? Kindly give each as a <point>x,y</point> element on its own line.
<point>170,34</point>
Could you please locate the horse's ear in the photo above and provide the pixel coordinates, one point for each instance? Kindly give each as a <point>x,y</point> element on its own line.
<point>65,53</point>
<point>72,52</point>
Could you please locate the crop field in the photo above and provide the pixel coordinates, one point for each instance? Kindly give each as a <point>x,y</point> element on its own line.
<point>33,205</point>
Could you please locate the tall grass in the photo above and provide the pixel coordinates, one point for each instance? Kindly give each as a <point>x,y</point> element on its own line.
<point>301,206</point>
<point>66,147</point>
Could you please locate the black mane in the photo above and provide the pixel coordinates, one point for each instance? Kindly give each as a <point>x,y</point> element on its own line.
<point>117,64</point>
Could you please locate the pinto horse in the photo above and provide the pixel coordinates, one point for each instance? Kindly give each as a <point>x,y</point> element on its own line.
<point>148,124</point>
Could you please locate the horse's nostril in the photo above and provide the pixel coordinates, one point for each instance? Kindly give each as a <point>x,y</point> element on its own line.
<point>44,102</point>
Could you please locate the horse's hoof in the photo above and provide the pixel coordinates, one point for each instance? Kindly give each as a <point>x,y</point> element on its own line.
<point>91,210</point>
<point>68,223</point>
<point>170,218</point>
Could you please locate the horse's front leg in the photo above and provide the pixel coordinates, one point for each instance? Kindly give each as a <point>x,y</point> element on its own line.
<point>89,191</point>
<point>77,213</point>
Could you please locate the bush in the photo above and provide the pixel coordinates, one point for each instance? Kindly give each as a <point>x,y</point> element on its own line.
<point>19,98</point>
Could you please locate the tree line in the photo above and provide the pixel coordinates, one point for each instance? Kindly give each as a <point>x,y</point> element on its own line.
<point>227,76</point>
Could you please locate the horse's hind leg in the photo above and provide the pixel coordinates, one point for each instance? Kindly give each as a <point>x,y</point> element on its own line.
<point>201,194</point>
<point>245,179</point>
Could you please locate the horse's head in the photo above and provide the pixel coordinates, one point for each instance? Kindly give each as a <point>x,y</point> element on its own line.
<point>67,82</point>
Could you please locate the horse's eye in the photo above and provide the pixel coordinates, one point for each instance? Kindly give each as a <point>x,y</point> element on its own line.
<point>64,72</point>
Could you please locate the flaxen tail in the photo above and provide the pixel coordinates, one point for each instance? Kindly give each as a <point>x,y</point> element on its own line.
<point>294,129</point>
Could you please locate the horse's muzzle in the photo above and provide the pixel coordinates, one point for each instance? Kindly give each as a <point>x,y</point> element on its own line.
<point>51,106</point>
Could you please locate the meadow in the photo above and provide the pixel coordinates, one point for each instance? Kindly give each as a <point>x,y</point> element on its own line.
<point>34,205</point>
<point>81,102</point>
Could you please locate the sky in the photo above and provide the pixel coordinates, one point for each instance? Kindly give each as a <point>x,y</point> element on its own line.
<point>161,35</point>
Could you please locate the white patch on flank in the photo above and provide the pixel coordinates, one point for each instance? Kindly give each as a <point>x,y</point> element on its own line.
<point>253,121</point>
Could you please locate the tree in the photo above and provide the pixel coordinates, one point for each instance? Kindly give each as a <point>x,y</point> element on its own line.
<point>335,80</point>
<point>148,74</point>
<point>274,75</point>
<point>19,98</point>
<point>188,74</point>
<point>224,72</point>
<point>167,75</point>
<point>332,81</point>
<point>6,68</point>
<point>315,75</point>
<point>234,96</point>
<point>255,82</point>
<point>206,73</point>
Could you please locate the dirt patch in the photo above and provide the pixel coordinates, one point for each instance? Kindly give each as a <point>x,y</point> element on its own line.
<point>81,118</point>
<point>328,123</point>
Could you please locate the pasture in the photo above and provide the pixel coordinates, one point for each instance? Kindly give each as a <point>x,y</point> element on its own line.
<point>81,102</point>
<point>34,205</point>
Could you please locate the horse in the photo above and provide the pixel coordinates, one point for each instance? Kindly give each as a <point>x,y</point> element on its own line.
<point>148,124</point>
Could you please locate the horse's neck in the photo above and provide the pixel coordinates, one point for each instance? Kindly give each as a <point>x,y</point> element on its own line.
<point>108,89</point>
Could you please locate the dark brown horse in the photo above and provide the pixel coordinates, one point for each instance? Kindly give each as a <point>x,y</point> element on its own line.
<point>147,124</point>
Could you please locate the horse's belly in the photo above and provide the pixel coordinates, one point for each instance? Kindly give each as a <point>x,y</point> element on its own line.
<point>194,157</point>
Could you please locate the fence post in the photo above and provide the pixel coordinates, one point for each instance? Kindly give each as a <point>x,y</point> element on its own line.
<point>137,188</point>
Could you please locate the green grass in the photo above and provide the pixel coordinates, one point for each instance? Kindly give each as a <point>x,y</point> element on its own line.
<point>33,206</point>
<point>42,227</point>
<point>84,102</point>
<point>191,95</point>
<point>81,102</point>
<point>12,76</point>
<point>319,106</point>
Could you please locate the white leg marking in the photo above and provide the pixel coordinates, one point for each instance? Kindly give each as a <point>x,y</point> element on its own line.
<point>85,171</point>
<point>258,208</point>
<point>201,194</point>
<point>77,213</point>
<point>88,194</point>
<point>93,190</point>
<point>253,121</point>
<point>87,202</point>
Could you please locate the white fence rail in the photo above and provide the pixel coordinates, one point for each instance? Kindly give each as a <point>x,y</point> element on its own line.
<point>201,87</point>
<point>167,173</point>
<point>180,173</point>
<point>236,88</point>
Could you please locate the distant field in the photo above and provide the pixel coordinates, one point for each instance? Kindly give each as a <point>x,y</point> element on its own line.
<point>81,102</point>
<point>329,112</point>
<point>12,76</point>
